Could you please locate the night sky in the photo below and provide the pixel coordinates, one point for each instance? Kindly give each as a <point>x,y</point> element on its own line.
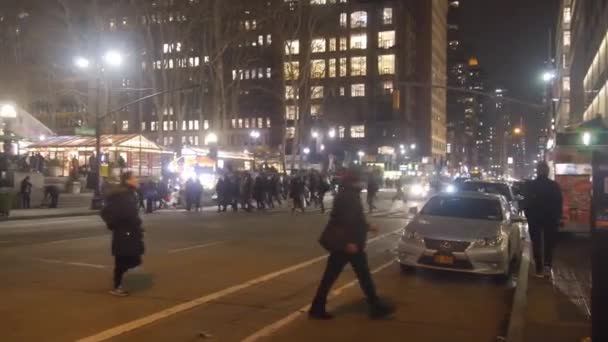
<point>510,39</point>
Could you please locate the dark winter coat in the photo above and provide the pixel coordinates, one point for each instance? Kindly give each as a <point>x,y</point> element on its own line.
<point>543,202</point>
<point>347,216</point>
<point>121,215</point>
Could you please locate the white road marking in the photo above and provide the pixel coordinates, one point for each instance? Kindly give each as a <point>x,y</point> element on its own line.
<point>61,262</point>
<point>157,316</point>
<point>177,250</point>
<point>71,240</point>
<point>276,326</point>
<point>45,222</point>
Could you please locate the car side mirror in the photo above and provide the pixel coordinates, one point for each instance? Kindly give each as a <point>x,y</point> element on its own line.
<point>518,219</point>
<point>413,211</point>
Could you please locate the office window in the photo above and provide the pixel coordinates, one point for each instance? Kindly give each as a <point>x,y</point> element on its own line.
<point>341,132</point>
<point>260,122</point>
<point>268,123</point>
<point>247,123</point>
<point>196,125</point>
<point>268,39</point>
<point>292,70</point>
<point>342,91</point>
<point>332,67</point>
<point>317,68</point>
<point>153,126</point>
<point>386,39</point>
<point>291,93</point>
<point>357,132</point>
<point>191,125</point>
<point>317,2</point>
<point>386,64</point>
<point>387,87</point>
<point>315,110</point>
<point>343,67</point>
<point>357,90</point>
<point>318,45</point>
<point>567,15</point>
<point>261,40</point>
<point>316,92</point>
<point>291,112</point>
<point>268,73</point>
<point>343,19</point>
<point>205,124</point>
<point>358,66</point>
<point>290,132</point>
<point>184,125</point>
<point>143,126</point>
<point>566,38</point>
<point>292,47</point>
<point>195,140</point>
<point>387,16</point>
<point>358,41</point>
<point>125,125</point>
<point>165,125</point>
<point>566,84</point>
<point>333,44</point>
<point>343,44</point>
<point>358,19</point>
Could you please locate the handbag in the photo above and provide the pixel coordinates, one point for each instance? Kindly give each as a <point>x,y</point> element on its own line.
<point>333,238</point>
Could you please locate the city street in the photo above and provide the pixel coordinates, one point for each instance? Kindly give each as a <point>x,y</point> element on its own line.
<point>227,277</point>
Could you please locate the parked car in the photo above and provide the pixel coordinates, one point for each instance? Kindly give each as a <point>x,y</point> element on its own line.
<point>498,188</point>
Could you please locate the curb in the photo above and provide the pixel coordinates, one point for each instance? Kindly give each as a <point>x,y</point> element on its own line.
<point>47,216</point>
<point>517,319</point>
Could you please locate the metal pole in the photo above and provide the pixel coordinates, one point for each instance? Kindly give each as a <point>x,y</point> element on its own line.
<point>96,202</point>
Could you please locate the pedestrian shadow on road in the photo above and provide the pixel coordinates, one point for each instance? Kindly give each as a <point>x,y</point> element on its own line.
<point>139,281</point>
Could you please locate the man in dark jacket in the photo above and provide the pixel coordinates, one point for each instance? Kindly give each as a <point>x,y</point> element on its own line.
<point>296,191</point>
<point>372,191</point>
<point>121,215</point>
<point>25,191</point>
<point>543,208</point>
<point>348,247</point>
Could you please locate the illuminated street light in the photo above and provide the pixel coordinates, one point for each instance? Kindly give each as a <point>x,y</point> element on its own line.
<point>306,150</point>
<point>517,130</point>
<point>113,58</point>
<point>315,134</point>
<point>402,147</point>
<point>413,146</point>
<point>586,138</point>
<point>254,134</point>
<point>361,154</point>
<point>8,111</point>
<point>332,133</point>
<point>81,62</point>
<point>548,76</point>
<point>322,147</point>
<point>211,138</point>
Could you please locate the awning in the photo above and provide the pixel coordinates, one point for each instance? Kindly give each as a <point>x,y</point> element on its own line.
<point>129,142</point>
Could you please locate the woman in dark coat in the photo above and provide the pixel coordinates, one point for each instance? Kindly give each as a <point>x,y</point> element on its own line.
<point>345,238</point>
<point>121,215</point>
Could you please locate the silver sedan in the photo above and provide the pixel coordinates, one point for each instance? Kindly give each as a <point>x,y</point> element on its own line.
<point>466,232</point>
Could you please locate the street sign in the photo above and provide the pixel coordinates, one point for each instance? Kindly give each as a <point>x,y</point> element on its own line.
<point>84,131</point>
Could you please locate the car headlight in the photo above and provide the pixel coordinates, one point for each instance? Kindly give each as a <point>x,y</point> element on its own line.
<point>450,188</point>
<point>409,236</point>
<point>488,242</point>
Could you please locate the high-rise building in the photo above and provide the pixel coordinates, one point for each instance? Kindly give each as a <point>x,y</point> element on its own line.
<point>333,76</point>
<point>581,85</point>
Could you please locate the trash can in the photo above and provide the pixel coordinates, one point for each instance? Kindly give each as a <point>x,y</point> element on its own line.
<point>6,202</point>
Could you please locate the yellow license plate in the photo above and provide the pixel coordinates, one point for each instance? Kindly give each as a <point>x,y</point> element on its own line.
<point>444,259</point>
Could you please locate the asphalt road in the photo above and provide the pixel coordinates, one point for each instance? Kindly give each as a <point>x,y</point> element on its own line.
<point>226,277</point>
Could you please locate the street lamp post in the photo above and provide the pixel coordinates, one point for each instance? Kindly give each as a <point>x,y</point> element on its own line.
<point>254,135</point>
<point>112,59</point>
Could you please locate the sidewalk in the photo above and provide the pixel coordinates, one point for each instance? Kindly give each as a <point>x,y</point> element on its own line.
<point>559,310</point>
<point>31,214</point>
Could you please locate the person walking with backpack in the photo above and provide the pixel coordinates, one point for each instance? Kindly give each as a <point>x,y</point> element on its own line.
<point>345,238</point>
<point>121,216</point>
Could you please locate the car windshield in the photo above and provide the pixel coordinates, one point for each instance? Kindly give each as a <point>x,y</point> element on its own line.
<point>491,188</point>
<point>463,207</point>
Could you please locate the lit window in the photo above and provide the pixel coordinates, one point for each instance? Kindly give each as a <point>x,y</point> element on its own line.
<point>292,70</point>
<point>234,74</point>
<point>292,47</point>
<point>165,125</point>
<point>332,67</point>
<point>247,25</point>
<point>195,140</point>
<point>260,122</point>
<point>566,84</point>
<point>291,93</point>
<point>191,125</point>
<point>343,44</point>
<point>315,110</point>
<point>317,68</point>
<point>291,112</point>
<point>333,44</point>
<point>246,123</point>
<point>358,41</point>
<point>357,90</point>
<point>358,66</point>
<point>268,39</point>
<point>342,91</point>
<point>386,64</point>
<point>386,39</point>
<point>358,19</point>
<point>206,124</point>
<point>343,67</point>
<point>153,126</point>
<point>268,72</point>
<point>254,74</point>
<point>566,38</point>
<point>125,125</point>
<point>316,92</point>
<point>143,126</point>
<point>357,132</point>
<point>268,123</point>
<point>317,2</point>
<point>387,87</point>
<point>290,132</point>
<point>343,19</point>
<point>261,40</point>
<point>196,125</point>
<point>318,45</point>
<point>240,121</point>
<point>567,15</point>
<point>387,16</point>
<point>233,123</point>
<point>184,125</point>
<point>341,131</point>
